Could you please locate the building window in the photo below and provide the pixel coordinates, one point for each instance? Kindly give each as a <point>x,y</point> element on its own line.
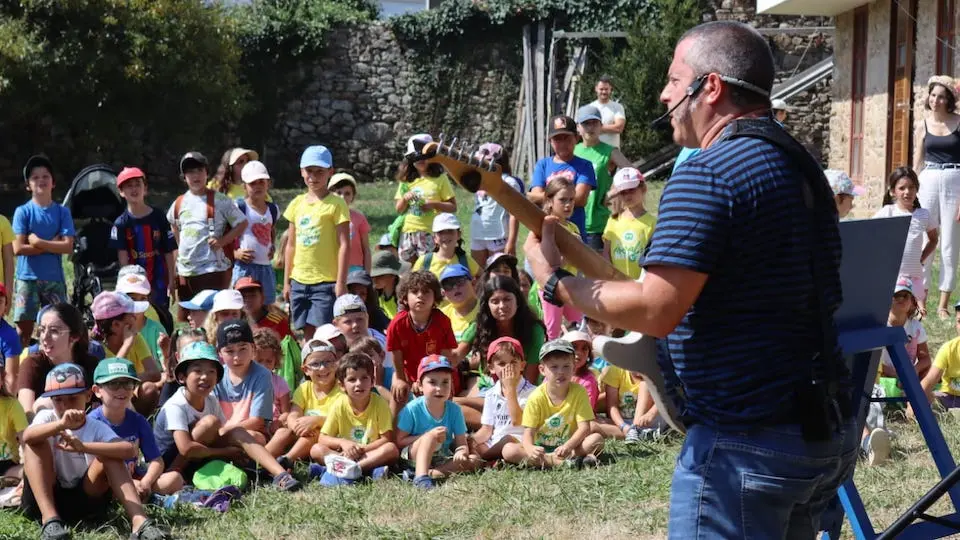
<point>946,35</point>
<point>858,86</point>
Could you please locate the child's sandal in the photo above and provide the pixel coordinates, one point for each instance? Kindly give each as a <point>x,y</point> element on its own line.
<point>149,531</point>
<point>286,482</point>
<point>54,529</point>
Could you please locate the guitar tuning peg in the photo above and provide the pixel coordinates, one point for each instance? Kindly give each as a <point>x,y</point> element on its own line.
<point>440,143</point>
<point>460,152</point>
<point>491,165</point>
<point>450,147</point>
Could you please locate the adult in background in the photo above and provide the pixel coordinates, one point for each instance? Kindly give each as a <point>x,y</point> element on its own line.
<point>605,159</point>
<point>563,139</point>
<point>748,324</point>
<point>937,160</point>
<point>227,178</point>
<point>780,109</point>
<point>612,113</point>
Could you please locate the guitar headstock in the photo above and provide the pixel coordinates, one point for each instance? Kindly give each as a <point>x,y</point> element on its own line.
<point>462,162</point>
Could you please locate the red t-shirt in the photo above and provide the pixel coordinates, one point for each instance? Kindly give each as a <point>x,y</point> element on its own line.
<point>276,322</point>
<point>436,337</point>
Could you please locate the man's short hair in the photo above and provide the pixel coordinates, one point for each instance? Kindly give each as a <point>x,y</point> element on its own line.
<point>605,79</point>
<point>734,50</point>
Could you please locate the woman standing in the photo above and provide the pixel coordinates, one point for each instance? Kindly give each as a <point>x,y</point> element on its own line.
<point>937,159</point>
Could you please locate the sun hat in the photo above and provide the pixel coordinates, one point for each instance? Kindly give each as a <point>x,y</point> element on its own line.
<point>128,173</point>
<point>947,82</point>
<point>446,222</point>
<point>495,345</point>
<point>499,257</point>
<point>111,369</point>
<point>315,345</point>
<point>384,263</point>
<point>236,153</point>
<point>385,240</point>
<point>233,331</point>
<point>316,156</point>
<point>227,299</point>
<point>108,305</point>
<point>903,284</point>
<point>574,336</point>
<point>202,301</point>
<point>842,184</point>
<point>132,269</point>
<point>359,277</point>
<point>626,178</point>
<point>588,113</point>
<point>193,160</point>
<point>348,303</point>
<point>779,105</point>
<point>133,284</point>
<point>556,345</point>
<point>488,150</point>
<point>415,145</point>
<point>196,351</point>
<point>327,332</point>
<point>342,177</point>
<point>433,362</point>
<point>64,380</point>
<point>253,171</point>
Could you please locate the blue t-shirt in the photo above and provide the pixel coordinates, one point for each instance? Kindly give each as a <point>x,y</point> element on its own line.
<point>9,343</point>
<point>253,397</point>
<point>47,223</point>
<point>584,172</point>
<point>685,154</point>
<point>146,240</point>
<point>735,212</point>
<point>415,419</point>
<point>135,429</point>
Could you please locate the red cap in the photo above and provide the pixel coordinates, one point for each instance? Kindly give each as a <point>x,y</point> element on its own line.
<point>127,173</point>
<point>247,282</point>
<point>517,347</point>
<point>3,291</point>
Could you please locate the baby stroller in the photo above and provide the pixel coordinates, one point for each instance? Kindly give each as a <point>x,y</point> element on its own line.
<point>94,203</point>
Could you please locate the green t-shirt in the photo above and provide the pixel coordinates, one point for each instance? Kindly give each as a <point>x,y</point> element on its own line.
<point>595,209</point>
<point>150,333</point>
<point>531,349</point>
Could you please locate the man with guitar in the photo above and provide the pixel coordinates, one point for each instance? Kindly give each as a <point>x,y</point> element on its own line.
<point>742,279</point>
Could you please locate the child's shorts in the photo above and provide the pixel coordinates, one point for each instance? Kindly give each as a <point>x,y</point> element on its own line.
<point>493,246</point>
<point>187,470</point>
<point>73,503</point>
<point>439,458</point>
<point>311,304</point>
<point>6,465</point>
<point>31,295</point>
<point>262,273</point>
<point>415,244</point>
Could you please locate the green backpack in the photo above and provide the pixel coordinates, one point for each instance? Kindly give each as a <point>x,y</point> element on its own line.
<point>289,368</point>
<point>217,474</point>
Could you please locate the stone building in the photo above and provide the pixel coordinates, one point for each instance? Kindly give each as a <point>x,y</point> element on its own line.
<point>885,51</point>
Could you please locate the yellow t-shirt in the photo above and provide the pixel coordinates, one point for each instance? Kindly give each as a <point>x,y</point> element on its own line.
<point>6,238</point>
<point>464,326</point>
<point>364,428</point>
<point>315,258</point>
<point>438,263</point>
<point>572,227</point>
<point>234,192</point>
<point>628,390</point>
<point>389,306</point>
<point>948,361</point>
<point>12,421</point>
<point>428,190</point>
<point>310,403</point>
<point>555,424</point>
<point>138,353</point>
<point>628,238</point>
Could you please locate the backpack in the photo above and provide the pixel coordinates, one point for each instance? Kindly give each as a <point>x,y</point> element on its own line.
<point>211,220</point>
<point>274,214</point>
<point>461,258</point>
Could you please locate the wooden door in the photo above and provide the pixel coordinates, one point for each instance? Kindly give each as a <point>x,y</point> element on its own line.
<point>903,30</point>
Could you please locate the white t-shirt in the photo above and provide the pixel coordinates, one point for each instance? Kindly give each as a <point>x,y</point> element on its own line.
<point>920,222</point>
<point>72,466</point>
<point>489,220</point>
<point>916,335</point>
<point>382,340</point>
<point>258,235</point>
<point>496,413</point>
<point>609,112</point>
<point>178,415</point>
<point>194,254</point>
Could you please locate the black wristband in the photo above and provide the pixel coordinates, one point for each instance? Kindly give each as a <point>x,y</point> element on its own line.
<point>550,287</point>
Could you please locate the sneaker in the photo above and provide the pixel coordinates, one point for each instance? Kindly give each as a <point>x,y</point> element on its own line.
<point>149,531</point>
<point>633,435</point>
<point>408,475</point>
<point>316,471</point>
<point>573,463</point>
<point>54,529</point>
<point>286,463</point>
<point>286,482</point>
<point>380,473</point>
<point>424,482</point>
<point>590,461</point>
<point>649,434</point>
<point>879,447</point>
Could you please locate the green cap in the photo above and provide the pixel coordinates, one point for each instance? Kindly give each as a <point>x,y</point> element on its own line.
<point>557,345</point>
<point>384,263</point>
<point>110,369</point>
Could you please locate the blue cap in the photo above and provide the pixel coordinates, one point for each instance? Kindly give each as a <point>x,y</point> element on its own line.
<point>433,362</point>
<point>316,156</point>
<point>587,113</point>
<point>454,271</point>
<point>202,301</point>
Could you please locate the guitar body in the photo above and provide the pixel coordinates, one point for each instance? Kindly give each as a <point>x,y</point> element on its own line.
<point>633,352</point>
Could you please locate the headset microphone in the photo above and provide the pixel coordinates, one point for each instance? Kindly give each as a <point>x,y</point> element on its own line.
<point>663,121</point>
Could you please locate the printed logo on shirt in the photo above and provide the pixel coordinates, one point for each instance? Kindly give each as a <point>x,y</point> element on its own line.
<point>629,236</point>
<point>554,431</point>
<point>358,434</point>
<point>955,384</point>
<point>628,404</point>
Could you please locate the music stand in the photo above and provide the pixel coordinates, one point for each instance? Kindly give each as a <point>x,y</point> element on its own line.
<point>868,274</point>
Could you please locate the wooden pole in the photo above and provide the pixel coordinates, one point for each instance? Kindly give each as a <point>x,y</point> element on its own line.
<point>552,63</point>
<point>567,96</point>
<point>541,142</point>
<point>530,130</point>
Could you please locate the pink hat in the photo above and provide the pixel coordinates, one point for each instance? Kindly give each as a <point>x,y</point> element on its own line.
<point>626,178</point>
<point>492,348</point>
<point>128,173</point>
<point>108,305</point>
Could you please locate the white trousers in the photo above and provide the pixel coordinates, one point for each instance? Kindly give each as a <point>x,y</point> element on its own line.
<point>940,194</point>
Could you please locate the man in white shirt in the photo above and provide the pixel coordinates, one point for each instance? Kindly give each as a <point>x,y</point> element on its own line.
<point>611,113</point>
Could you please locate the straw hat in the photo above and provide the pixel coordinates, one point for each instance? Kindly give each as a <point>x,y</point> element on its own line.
<point>947,82</point>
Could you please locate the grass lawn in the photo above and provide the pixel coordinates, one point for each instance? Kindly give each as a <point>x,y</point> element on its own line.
<point>628,497</point>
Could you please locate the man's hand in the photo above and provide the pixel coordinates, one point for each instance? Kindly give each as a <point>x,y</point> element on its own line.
<point>400,389</point>
<point>351,450</point>
<point>72,419</point>
<point>243,255</point>
<point>542,253</point>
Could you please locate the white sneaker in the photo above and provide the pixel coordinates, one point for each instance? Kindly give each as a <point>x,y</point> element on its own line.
<point>878,447</point>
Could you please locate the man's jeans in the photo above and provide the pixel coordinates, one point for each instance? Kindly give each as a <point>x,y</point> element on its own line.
<point>766,483</point>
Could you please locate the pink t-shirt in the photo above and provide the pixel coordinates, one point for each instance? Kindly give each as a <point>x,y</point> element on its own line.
<point>358,226</point>
<point>589,383</point>
<point>280,389</point>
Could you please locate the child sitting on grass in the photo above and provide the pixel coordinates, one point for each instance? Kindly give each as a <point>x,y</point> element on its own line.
<point>73,463</point>
<point>557,418</point>
<point>945,371</point>
<point>190,427</point>
<point>372,347</point>
<point>630,409</point>
<point>114,382</point>
<point>13,420</point>
<point>431,429</point>
<point>502,416</point>
<point>268,353</point>
<point>359,426</point>
<point>582,374</point>
<point>311,403</point>
<point>245,392</point>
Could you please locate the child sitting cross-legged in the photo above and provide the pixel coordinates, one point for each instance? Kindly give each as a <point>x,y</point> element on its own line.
<point>72,463</point>
<point>311,403</point>
<point>501,419</point>
<point>245,392</point>
<point>431,429</point>
<point>268,355</point>
<point>357,436</point>
<point>114,383</point>
<point>557,418</point>
<point>630,409</point>
<point>190,426</point>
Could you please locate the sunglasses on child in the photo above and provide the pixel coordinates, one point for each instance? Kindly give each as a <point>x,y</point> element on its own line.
<point>453,283</point>
<point>119,384</point>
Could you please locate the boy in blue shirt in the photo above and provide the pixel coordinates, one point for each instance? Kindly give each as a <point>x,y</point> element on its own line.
<point>432,425</point>
<point>245,392</point>
<point>43,232</point>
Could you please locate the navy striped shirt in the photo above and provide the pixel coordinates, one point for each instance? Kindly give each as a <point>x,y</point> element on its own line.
<point>736,212</point>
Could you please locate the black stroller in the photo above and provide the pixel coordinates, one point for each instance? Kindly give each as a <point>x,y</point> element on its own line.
<point>94,202</point>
